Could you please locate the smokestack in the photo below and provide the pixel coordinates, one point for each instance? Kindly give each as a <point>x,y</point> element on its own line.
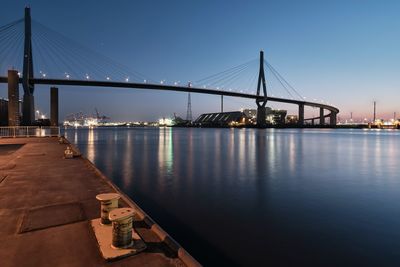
<point>374,111</point>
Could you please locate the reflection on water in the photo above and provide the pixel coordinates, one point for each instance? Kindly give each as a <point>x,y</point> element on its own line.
<point>90,146</point>
<point>247,196</point>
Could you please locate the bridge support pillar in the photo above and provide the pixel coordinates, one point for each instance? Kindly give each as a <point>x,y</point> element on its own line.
<point>222,103</point>
<point>261,123</point>
<point>301,114</point>
<point>333,118</point>
<point>28,110</point>
<point>13,98</point>
<point>54,106</point>
<point>261,102</point>
<point>321,116</point>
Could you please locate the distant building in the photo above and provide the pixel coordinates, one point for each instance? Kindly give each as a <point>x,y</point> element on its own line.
<point>275,116</point>
<point>3,112</point>
<point>222,119</point>
<point>250,113</point>
<point>292,119</point>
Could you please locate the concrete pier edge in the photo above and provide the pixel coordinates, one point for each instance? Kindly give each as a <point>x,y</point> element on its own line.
<point>183,255</point>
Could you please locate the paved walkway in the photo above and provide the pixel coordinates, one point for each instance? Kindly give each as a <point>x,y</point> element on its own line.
<point>46,203</point>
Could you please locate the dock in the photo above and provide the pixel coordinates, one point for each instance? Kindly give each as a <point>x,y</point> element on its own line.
<point>47,203</point>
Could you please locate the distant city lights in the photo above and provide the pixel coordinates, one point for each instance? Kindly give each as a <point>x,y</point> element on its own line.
<point>165,122</point>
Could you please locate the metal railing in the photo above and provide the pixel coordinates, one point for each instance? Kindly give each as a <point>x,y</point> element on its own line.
<point>29,131</point>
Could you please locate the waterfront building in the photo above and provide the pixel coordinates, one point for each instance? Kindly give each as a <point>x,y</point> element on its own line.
<point>13,99</point>
<point>250,113</point>
<point>275,116</point>
<point>3,112</point>
<point>292,119</point>
<point>222,119</point>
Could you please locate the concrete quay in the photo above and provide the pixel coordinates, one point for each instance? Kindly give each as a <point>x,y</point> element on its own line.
<point>47,202</point>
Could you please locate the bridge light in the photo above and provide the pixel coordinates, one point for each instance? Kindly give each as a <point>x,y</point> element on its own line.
<point>19,74</point>
<point>108,78</point>
<point>67,76</point>
<point>127,79</point>
<point>44,75</point>
<point>145,81</point>
<point>87,77</point>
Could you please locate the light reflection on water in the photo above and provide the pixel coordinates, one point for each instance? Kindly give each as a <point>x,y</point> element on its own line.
<point>245,196</point>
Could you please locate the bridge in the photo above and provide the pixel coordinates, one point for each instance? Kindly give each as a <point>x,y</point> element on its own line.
<point>28,81</point>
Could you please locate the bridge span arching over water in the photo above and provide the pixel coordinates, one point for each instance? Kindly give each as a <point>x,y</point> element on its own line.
<point>333,111</point>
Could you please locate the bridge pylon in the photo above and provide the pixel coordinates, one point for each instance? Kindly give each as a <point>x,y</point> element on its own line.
<point>28,106</point>
<point>261,102</point>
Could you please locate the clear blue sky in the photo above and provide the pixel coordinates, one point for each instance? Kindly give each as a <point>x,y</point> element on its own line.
<point>344,52</point>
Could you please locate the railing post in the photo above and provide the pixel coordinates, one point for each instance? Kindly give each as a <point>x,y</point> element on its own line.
<point>14,131</point>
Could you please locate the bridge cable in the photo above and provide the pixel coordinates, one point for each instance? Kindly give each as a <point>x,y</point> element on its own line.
<point>10,40</point>
<point>224,72</point>
<point>62,41</point>
<point>225,78</point>
<point>228,77</point>
<point>282,84</point>
<point>275,72</point>
<point>239,78</point>
<point>10,25</point>
<point>56,46</point>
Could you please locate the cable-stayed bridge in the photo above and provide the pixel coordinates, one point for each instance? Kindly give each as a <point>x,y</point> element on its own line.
<point>61,61</point>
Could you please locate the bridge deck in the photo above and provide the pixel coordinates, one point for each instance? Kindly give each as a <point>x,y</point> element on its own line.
<point>112,84</point>
<point>46,203</point>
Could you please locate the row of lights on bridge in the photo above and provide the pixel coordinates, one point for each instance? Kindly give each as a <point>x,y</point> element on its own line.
<point>87,77</point>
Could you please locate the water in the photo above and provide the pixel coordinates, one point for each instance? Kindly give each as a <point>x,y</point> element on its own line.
<point>255,197</point>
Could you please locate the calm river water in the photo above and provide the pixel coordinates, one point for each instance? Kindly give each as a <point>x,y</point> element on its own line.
<point>253,197</point>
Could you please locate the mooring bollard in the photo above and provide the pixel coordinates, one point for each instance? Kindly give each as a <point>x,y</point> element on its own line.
<point>122,220</point>
<point>109,202</point>
<point>68,153</point>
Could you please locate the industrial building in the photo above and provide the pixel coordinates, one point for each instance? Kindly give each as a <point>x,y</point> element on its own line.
<point>292,119</point>
<point>222,119</point>
<point>240,118</point>
<point>275,116</point>
<point>3,112</point>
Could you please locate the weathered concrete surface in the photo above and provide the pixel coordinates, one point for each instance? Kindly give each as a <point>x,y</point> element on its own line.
<point>36,183</point>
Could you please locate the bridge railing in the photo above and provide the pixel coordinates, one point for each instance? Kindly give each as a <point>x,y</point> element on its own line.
<point>29,131</point>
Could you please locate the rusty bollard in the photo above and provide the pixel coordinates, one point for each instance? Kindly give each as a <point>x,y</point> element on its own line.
<point>108,202</point>
<point>68,153</point>
<point>122,220</point>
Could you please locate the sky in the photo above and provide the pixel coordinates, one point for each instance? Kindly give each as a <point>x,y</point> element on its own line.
<point>342,52</point>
